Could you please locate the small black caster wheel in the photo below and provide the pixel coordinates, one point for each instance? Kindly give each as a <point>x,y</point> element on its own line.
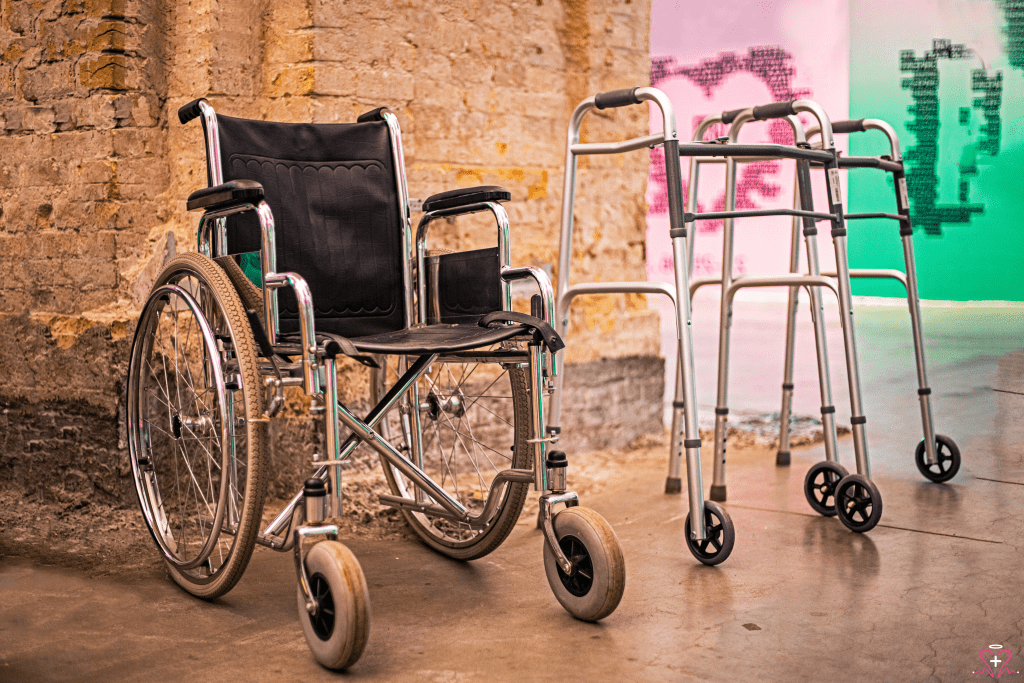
<point>595,587</point>
<point>947,459</point>
<point>338,632</point>
<point>720,535</point>
<point>820,486</point>
<point>858,503</point>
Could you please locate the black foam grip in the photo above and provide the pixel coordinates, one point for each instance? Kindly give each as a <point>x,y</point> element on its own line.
<point>852,126</point>
<point>374,115</point>
<point>616,98</point>
<point>730,116</point>
<point>775,110</point>
<point>190,110</point>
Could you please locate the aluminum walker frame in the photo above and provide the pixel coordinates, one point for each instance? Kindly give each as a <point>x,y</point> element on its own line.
<point>826,481</point>
<point>937,456</point>
<point>709,541</point>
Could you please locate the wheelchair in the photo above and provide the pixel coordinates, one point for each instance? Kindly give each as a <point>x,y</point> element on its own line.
<point>305,254</point>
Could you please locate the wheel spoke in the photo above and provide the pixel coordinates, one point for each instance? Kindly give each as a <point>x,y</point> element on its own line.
<point>466,447</point>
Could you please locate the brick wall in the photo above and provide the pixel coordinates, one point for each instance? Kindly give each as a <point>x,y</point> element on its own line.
<point>94,171</point>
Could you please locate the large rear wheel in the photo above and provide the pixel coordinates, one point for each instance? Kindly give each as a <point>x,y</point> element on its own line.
<point>197,454</point>
<point>475,422</point>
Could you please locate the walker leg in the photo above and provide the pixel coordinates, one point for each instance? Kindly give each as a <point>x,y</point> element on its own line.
<point>810,231</point>
<point>857,419</point>
<point>685,376</point>
<point>674,482</point>
<point>923,390</point>
<point>782,457</point>
<point>718,489</point>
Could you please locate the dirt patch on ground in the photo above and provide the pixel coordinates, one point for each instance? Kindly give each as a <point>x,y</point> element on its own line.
<point>103,539</point>
<point>66,529</point>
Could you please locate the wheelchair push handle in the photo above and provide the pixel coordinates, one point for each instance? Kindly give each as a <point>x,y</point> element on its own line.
<point>852,126</point>
<point>616,98</point>
<point>775,110</point>
<point>190,110</point>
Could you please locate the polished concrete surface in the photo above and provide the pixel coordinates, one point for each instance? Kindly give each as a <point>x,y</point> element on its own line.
<point>801,598</point>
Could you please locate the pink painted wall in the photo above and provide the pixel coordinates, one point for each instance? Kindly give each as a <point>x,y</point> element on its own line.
<point>710,57</point>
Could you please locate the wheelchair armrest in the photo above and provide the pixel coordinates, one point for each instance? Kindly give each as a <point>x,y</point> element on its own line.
<point>228,194</point>
<point>466,196</point>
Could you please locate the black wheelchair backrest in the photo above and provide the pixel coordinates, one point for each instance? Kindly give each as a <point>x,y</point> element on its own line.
<point>332,190</point>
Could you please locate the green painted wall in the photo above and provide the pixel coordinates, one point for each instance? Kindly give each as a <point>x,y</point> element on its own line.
<point>958,107</point>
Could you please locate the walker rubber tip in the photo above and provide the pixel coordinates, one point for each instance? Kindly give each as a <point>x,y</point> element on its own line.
<point>782,459</point>
<point>673,485</point>
<point>718,494</point>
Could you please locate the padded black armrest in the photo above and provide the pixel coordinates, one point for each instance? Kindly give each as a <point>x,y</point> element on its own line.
<point>466,196</point>
<point>220,196</point>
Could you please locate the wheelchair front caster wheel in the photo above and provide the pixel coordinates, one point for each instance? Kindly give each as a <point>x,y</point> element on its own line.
<point>858,503</point>
<point>594,588</point>
<point>720,535</point>
<point>820,486</point>
<point>947,459</point>
<point>337,633</point>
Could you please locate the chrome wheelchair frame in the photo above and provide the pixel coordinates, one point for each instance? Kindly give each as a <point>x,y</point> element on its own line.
<point>220,366</point>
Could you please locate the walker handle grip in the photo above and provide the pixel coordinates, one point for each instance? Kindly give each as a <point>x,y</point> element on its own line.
<point>775,110</point>
<point>616,98</point>
<point>853,126</point>
<point>190,110</point>
<point>730,116</point>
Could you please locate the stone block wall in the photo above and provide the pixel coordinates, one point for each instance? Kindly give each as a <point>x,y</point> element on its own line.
<point>95,169</point>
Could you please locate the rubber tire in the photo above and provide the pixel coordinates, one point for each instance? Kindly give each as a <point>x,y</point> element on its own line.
<point>347,585</point>
<point>508,514</point>
<point>605,553</point>
<point>838,471</point>
<point>876,503</point>
<point>728,535</point>
<point>231,570</point>
<point>250,294</point>
<point>954,455</point>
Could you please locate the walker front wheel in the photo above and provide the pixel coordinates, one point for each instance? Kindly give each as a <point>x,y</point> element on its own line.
<point>858,503</point>
<point>719,535</point>
<point>947,459</point>
<point>820,486</point>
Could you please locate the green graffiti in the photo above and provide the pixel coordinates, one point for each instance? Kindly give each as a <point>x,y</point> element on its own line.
<point>1013,10</point>
<point>922,158</point>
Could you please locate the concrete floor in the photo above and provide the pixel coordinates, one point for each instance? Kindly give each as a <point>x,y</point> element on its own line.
<point>801,598</point>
